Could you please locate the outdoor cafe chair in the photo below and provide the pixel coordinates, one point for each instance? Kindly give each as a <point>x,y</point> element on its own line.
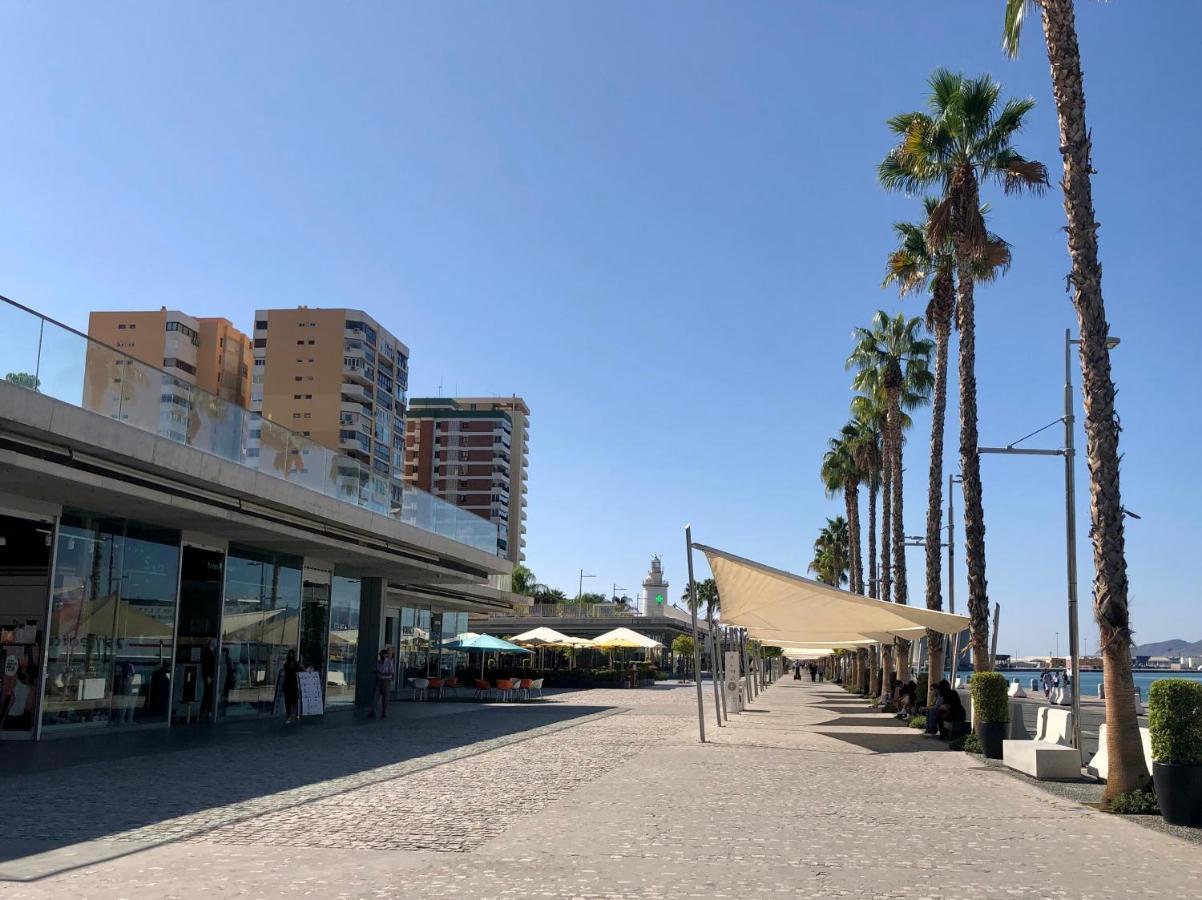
<point>420,687</point>
<point>436,685</point>
<point>524,688</point>
<point>450,684</point>
<point>535,685</point>
<point>504,688</point>
<point>482,689</point>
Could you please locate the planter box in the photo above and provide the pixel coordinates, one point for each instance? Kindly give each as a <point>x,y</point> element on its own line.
<point>1179,793</point>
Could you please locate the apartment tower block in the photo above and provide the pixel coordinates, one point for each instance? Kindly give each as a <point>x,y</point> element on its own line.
<point>472,452</point>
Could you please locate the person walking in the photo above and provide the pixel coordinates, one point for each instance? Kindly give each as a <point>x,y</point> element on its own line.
<point>385,669</point>
<point>797,670</point>
<point>292,669</point>
<point>1045,681</point>
<point>813,672</point>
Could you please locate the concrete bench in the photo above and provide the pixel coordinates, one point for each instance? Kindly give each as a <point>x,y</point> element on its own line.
<point>1099,766</point>
<point>1050,757</point>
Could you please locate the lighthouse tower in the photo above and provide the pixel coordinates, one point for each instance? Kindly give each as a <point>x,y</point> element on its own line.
<point>655,590</point>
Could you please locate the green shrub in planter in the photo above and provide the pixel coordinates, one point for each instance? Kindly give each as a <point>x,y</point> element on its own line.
<point>918,722</point>
<point>990,700</point>
<point>972,744</point>
<point>1175,721</point>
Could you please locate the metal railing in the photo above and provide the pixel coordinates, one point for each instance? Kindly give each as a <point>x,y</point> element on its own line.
<point>53,359</point>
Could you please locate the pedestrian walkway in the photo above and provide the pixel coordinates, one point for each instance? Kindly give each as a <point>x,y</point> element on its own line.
<point>608,794</point>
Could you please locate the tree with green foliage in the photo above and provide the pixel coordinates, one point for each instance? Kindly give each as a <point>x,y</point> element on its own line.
<point>24,379</point>
<point>522,580</point>
<point>964,138</point>
<point>1128,770</point>
<point>918,266</point>
<point>830,553</point>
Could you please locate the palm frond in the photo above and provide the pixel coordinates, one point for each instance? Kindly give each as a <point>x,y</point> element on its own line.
<point>1012,26</point>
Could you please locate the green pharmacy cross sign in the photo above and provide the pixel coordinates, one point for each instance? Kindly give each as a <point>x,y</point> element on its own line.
<point>659,599</point>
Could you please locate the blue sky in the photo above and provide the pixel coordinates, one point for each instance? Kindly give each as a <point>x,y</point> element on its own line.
<point>657,222</point>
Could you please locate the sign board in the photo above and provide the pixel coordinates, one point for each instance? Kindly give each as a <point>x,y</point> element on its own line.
<point>731,683</point>
<point>310,693</point>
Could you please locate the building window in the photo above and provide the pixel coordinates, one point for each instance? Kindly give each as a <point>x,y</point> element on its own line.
<point>260,342</point>
<point>172,363</point>
<point>260,361</point>
<point>261,324</point>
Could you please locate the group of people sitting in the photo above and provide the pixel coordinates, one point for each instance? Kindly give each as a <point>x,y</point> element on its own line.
<point>945,717</point>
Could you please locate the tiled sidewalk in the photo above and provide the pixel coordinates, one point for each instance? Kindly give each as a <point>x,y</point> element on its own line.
<point>806,794</point>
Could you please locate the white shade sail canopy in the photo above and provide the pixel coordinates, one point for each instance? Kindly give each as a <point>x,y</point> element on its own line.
<point>782,609</point>
<point>549,637</point>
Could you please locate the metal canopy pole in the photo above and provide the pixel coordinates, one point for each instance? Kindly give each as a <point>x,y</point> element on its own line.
<point>1070,535</point>
<point>709,621</point>
<point>688,544</point>
<point>720,670</point>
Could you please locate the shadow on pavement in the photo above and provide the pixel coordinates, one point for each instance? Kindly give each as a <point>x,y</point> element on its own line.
<point>138,791</point>
<point>898,742</point>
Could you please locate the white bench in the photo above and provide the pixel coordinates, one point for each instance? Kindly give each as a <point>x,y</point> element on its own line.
<point>1099,766</point>
<point>1051,756</point>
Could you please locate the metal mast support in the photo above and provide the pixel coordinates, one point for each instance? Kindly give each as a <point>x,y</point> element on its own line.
<point>688,544</point>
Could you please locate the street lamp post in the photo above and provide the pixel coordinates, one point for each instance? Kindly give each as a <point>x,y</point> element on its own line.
<point>580,587</point>
<point>1068,451</point>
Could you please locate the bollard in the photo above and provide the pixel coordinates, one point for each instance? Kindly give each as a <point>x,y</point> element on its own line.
<point>1102,691</point>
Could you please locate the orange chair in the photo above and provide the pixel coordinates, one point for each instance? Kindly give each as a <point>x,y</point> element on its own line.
<point>436,686</point>
<point>524,688</point>
<point>482,689</point>
<point>504,687</point>
<point>451,684</point>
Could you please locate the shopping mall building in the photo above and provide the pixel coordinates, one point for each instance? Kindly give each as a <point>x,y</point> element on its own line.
<point>152,582</point>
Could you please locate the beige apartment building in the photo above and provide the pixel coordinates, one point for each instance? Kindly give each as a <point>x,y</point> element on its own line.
<point>338,377</point>
<point>208,353</point>
<point>472,452</point>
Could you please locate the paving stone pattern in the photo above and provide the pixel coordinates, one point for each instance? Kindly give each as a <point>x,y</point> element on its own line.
<point>805,794</point>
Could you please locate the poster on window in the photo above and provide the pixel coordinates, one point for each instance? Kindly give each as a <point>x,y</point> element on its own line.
<point>310,693</point>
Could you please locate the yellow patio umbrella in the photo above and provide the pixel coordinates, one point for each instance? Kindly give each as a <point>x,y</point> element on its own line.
<point>625,638</point>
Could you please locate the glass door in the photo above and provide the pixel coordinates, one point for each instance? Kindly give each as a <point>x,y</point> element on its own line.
<point>315,626</point>
<point>391,628</point>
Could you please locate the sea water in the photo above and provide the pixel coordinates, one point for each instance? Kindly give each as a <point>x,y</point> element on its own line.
<point>1091,679</point>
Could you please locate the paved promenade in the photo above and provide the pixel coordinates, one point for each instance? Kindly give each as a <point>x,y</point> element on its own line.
<point>590,794</point>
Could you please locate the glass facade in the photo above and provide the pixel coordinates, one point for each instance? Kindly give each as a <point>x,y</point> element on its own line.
<point>344,641</point>
<point>260,625</point>
<point>112,623</point>
<point>420,651</point>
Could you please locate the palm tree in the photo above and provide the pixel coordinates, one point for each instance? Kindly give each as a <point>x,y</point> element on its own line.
<point>871,409</point>
<point>1128,770</point>
<point>521,581</point>
<point>918,266</point>
<point>866,451</point>
<point>840,473</point>
<point>830,552</point>
<point>893,354</point>
<point>964,139</point>
<point>707,596</point>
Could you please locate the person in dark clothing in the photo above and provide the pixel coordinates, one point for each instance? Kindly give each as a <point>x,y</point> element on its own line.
<point>229,676</point>
<point>907,699</point>
<point>813,672</point>
<point>951,713</point>
<point>292,669</point>
<point>797,671</point>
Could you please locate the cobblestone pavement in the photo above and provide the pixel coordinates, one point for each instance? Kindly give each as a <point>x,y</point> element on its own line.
<point>594,794</point>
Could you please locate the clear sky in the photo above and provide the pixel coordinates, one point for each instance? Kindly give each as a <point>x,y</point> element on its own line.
<point>658,223</point>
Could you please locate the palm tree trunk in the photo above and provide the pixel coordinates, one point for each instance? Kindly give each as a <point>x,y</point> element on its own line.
<point>886,584</point>
<point>873,487</point>
<point>851,497</point>
<point>967,203</point>
<point>934,556</point>
<point>900,588</point>
<point>1127,767</point>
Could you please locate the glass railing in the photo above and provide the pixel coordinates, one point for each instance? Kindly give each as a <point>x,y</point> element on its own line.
<point>48,357</point>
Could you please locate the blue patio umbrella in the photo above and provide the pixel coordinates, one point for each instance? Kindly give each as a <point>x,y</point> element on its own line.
<point>484,643</point>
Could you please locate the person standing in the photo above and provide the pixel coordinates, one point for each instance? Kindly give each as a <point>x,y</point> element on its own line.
<point>292,669</point>
<point>1045,681</point>
<point>385,669</point>
<point>797,670</point>
<point>813,672</point>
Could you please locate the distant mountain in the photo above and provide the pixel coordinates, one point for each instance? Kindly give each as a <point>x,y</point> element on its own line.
<point>1168,648</point>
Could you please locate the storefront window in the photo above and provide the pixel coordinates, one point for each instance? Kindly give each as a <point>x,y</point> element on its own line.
<point>24,583</point>
<point>344,641</point>
<point>260,625</point>
<point>414,644</point>
<point>112,621</point>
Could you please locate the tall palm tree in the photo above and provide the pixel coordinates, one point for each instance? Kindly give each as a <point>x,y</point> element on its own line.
<point>866,451</point>
<point>1127,768</point>
<point>964,139</point>
<point>919,266</point>
<point>840,473</point>
<point>894,354</point>
<point>830,552</point>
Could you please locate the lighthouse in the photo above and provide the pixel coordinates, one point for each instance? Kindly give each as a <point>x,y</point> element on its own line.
<point>655,589</point>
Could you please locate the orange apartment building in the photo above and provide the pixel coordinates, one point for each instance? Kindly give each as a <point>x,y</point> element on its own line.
<point>339,378</point>
<point>472,452</point>
<point>208,353</point>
